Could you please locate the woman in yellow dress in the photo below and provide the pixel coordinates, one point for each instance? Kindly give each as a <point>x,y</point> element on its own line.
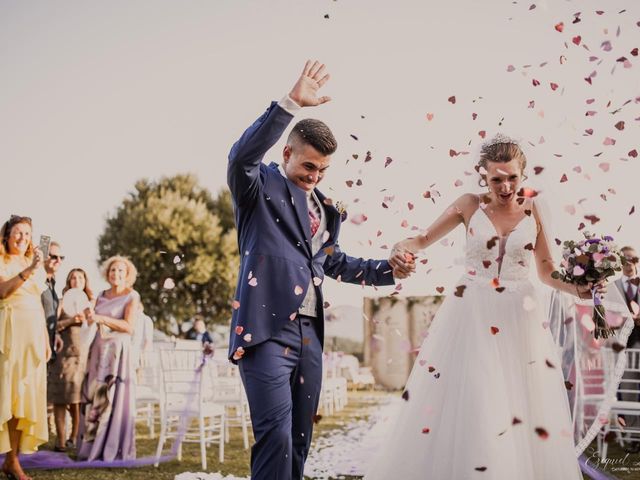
<point>24,347</point>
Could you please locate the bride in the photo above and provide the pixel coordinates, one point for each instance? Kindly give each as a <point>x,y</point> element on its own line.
<point>486,397</point>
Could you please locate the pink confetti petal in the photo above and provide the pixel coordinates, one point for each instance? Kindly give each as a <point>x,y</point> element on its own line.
<point>253,282</point>
<point>298,290</point>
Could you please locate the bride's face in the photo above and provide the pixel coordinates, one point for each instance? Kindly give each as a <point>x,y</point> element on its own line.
<point>504,180</point>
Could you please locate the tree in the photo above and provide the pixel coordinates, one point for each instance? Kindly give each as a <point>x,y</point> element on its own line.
<point>183,243</point>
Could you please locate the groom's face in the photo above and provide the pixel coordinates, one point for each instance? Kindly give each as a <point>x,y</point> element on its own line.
<point>304,165</point>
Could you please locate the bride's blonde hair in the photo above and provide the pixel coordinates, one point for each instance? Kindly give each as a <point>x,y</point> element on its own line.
<point>500,149</point>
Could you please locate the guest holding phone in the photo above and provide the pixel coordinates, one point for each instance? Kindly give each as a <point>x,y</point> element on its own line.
<point>67,371</point>
<point>24,346</point>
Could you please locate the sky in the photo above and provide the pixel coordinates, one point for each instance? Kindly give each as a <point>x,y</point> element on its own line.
<point>95,95</point>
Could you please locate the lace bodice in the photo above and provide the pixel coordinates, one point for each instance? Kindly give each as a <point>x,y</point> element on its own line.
<point>506,258</point>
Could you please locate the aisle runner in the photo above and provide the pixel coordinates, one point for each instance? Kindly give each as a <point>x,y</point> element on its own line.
<point>349,452</point>
<point>345,452</point>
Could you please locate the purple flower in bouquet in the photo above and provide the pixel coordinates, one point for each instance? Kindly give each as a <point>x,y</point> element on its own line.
<point>589,262</point>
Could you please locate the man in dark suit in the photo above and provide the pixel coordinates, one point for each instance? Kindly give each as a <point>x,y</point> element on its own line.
<point>627,284</point>
<point>287,235</point>
<point>50,300</point>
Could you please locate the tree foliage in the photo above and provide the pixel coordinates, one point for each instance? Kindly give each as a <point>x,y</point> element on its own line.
<point>183,243</point>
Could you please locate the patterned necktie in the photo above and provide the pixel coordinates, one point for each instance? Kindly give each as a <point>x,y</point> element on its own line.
<point>315,222</point>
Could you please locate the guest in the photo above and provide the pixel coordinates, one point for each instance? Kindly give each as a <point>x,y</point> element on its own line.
<point>50,300</point>
<point>24,347</point>
<point>628,286</point>
<point>199,331</point>
<point>108,399</point>
<point>67,371</point>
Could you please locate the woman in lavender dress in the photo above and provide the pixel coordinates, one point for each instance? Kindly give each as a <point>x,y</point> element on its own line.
<point>108,411</point>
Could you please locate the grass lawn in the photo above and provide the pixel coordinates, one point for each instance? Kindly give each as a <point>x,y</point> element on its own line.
<point>236,459</point>
<point>621,465</point>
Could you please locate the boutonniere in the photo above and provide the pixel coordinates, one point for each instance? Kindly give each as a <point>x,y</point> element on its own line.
<point>339,206</point>
<point>342,210</point>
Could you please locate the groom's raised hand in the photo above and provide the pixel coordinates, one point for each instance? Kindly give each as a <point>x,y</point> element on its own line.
<point>305,91</point>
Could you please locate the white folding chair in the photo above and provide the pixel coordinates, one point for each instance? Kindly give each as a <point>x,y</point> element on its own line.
<point>149,404</point>
<point>227,390</point>
<point>629,387</point>
<point>185,400</point>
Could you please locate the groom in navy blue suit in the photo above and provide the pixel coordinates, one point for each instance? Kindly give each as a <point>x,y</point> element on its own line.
<point>288,241</point>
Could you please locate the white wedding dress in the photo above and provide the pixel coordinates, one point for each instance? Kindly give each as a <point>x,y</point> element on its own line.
<point>486,398</point>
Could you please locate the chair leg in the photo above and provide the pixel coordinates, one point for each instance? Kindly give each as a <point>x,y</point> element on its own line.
<point>605,445</point>
<point>161,440</point>
<point>223,426</point>
<point>203,448</point>
<point>243,422</point>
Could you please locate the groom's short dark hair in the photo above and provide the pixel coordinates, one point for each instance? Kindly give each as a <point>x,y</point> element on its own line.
<point>315,133</point>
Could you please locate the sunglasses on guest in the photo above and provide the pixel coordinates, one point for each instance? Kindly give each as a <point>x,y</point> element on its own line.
<point>56,257</point>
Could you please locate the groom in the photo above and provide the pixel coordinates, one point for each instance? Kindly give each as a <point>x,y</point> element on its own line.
<point>287,235</point>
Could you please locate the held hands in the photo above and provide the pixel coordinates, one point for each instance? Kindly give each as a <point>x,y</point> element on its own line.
<point>304,92</point>
<point>402,261</point>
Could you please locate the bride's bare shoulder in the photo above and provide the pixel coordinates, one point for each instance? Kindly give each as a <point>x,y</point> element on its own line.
<point>466,204</point>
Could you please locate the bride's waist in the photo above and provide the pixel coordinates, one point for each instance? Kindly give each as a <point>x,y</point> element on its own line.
<point>506,283</point>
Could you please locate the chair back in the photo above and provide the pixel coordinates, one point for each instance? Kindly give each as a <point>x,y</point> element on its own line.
<point>182,379</point>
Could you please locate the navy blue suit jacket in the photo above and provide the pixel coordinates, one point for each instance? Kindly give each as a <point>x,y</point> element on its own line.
<point>274,238</point>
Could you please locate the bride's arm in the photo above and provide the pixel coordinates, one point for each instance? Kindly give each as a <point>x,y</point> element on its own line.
<point>458,212</point>
<point>545,265</point>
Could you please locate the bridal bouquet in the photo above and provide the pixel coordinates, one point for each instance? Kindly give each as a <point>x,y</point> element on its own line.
<point>591,261</point>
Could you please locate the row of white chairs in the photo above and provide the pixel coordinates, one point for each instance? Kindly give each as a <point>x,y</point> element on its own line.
<point>623,421</point>
<point>194,402</point>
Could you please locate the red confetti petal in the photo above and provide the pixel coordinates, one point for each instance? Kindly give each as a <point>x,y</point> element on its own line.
<point>494,330</point>
<point>559,27</point>
<point>542,433</point>
<point>576,39</point>
<point>452,99</point>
